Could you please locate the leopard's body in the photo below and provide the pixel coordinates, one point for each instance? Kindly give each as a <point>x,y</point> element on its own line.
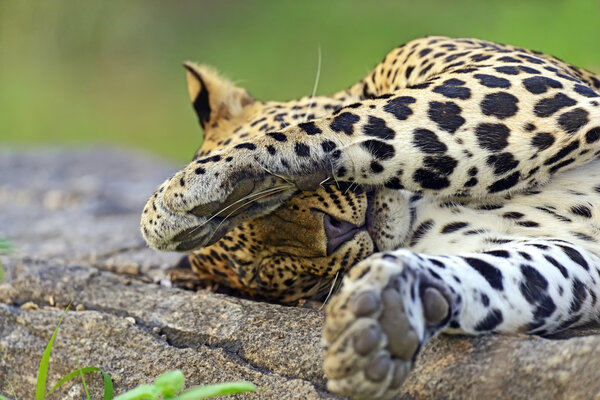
<point>461,175</point>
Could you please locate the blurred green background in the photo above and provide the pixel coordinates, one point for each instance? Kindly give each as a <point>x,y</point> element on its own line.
<point>109,72</point>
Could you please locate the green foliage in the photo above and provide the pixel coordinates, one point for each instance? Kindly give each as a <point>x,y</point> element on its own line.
<point>5,248</point>
<point>170,383</point>
<point>167,386</point>
<point>108,385</point>
<point>109,71</point>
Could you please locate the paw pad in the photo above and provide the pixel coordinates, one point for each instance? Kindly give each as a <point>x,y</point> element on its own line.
<point>375,327</point>
<point>367,340</point>
<point>435,306</point>
<point>364,304</point>
<point>378,369</point>
<point>401,370</point>
<point>402,340</point>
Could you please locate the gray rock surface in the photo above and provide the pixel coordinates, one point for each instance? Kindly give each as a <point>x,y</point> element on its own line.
<point>73,218</point>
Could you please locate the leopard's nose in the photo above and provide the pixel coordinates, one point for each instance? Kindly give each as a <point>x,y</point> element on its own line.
<point>337,232</point>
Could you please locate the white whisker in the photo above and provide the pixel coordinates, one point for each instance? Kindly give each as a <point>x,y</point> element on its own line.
<point>349,187</point>
<point>337,184</point>
<point>271,191</point>
<point>316,85</point>
<point>274,174</point>
<point>248,197</point>
<point>330,290</point>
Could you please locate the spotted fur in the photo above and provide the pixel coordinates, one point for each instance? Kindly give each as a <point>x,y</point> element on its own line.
<point>459,175</point>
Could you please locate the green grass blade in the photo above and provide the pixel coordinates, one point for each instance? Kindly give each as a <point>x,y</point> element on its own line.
<point>219,389</point>
<point>85,388</point>
<point>2,397</point>
<point>40,387</point>
<point>108,385</point>
<point>12,389</point>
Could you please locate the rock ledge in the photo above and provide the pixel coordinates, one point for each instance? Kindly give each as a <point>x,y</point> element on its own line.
<point>73,217</point>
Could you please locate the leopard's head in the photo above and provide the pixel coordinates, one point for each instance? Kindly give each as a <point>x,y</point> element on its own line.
<point>297,250</point>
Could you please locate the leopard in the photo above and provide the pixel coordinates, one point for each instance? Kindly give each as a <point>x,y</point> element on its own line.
<point>454,189</point>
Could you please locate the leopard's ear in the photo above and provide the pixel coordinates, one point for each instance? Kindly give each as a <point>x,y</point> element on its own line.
<point>214,97</point>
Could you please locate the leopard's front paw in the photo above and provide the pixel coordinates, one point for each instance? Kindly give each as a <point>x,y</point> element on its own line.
<point>212,195</point>
<point>376,325</point>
